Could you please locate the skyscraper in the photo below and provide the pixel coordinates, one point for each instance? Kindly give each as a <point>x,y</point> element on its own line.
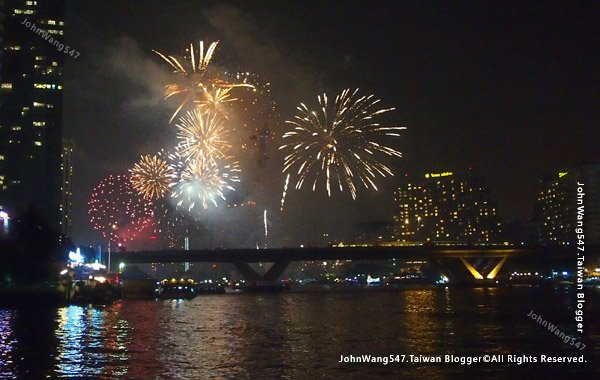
<point>446,208</point>
<point>31,106</point>
<point>66,189</point>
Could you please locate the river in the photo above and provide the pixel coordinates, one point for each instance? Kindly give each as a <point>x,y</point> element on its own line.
<point>300,335</point>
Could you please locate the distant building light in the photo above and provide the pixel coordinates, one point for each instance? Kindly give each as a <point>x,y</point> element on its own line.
<point>371,280</point>
<point>436,175</point>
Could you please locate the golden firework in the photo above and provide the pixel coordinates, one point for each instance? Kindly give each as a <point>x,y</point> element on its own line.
<point>194,85</point>
<point>202,136</point>
<point>339,143</point>
<point>152,176</point>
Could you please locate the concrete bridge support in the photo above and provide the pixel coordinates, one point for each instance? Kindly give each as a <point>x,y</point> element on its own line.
<point>271,276</point>
<point>484,267</point>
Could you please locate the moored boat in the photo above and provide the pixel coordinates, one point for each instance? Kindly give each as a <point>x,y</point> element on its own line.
<point>176,289</point>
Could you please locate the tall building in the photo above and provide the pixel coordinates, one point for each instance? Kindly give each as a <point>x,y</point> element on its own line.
<point>66,189</point>
<point>446,208</point>
<point>558,200</point>
<point>31,106</point>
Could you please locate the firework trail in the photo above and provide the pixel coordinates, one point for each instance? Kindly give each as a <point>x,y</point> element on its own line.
<point>283,195</point>
<point>202,182</point>
<point>202,136</point>
<point>339,143</point>
<point>152,177</point>
<point>265,224</point>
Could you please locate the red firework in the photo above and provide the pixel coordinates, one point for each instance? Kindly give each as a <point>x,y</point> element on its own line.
<point>117,211</point>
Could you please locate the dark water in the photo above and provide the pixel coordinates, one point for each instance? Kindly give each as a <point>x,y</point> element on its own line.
<point>298,335</point>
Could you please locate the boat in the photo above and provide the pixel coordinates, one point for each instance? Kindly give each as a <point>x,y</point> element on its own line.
<point>89,283</point>
<point>407,278</point>
<point>176,289</point>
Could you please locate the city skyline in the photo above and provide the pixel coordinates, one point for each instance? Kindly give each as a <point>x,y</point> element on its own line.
<point>511,138</point>
<point>292,189</point>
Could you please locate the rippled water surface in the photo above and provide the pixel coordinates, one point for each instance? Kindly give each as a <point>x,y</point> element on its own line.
<point>296,335</point>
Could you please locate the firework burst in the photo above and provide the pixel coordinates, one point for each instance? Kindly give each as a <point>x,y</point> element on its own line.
<point>214,97</point>
<point>152,176</point>
<point>115,208</point>
<point>339,143</point>
<point>195,86</point>
<point>170,223</point>
<point>203,182</point>
<point>202,136</point>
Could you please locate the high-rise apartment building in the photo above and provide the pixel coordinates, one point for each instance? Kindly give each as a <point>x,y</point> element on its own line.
<point>558,202</point>
<point>446,208</point>
<point>66,189</point>
<point>31,80</point>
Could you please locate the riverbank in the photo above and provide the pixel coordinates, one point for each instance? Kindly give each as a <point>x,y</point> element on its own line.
<point>48,294</point>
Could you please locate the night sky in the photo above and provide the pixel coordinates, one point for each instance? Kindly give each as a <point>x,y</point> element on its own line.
<point>508,89</point>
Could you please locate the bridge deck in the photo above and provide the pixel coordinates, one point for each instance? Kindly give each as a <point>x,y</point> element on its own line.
<point>346,253</point>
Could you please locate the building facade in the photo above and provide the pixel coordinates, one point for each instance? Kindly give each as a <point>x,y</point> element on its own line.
<point>558,203</point>
<point>446,208</point>
<point>66,189</point>
<point>31,80</point>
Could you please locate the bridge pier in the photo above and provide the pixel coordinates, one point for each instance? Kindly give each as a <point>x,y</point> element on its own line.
<point>271,276</point>
<point>479,269</point>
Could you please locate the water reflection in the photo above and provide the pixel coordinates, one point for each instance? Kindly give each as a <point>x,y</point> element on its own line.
<point>7,342</point>
<point>27,343</point>
<point>282,335</point>
<point>91,342</point>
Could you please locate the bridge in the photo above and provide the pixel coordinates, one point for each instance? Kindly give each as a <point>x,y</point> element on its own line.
<point>479,261</point>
